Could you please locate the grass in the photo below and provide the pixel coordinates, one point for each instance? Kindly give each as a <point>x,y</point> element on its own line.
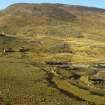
<point>22,83</point>
<point>19,78</point>
<point>81,93</point>
<point>51,38</point>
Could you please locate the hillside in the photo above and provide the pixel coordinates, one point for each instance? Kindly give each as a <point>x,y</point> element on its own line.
<point>52,54</point>
<point>51,19</point>
<point>80,28</point>
<point>32,15</point>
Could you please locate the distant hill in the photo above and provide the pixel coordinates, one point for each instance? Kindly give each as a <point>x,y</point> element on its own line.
<point>51,19</point>
<point>22,15</point>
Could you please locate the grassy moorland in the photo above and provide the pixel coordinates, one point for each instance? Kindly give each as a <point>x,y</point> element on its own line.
<point>52,54</point>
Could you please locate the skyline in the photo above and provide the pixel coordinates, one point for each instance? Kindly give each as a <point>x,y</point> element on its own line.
<point>89,3</point>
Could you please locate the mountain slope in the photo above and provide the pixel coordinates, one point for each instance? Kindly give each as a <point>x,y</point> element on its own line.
<point>57,25</point>
<point>52,54</point>
<point>51,19</point>
<point>22,15</point>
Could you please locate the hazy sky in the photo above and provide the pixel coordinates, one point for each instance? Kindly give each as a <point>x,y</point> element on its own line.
<point>92,3</point>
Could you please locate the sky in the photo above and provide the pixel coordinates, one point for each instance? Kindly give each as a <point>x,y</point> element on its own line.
<point>90,3</point>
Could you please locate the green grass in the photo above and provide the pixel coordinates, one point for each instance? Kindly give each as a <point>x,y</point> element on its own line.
<point>53,37</point>
<point>76,91</point>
